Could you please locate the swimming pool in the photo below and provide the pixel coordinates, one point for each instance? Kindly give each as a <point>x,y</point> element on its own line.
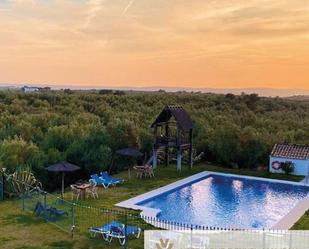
<point>221,200</point>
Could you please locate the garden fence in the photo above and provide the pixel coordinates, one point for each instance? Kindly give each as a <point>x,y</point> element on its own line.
<point>1,187</point>
<point>78,218</point>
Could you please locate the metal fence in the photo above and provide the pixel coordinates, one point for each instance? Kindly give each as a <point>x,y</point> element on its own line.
<point>98,223</point>
<point>1,187</point>
<point>78,218</point>
<point>49,207</point>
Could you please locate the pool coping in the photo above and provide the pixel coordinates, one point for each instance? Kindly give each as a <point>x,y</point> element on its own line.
<point>285,223</point>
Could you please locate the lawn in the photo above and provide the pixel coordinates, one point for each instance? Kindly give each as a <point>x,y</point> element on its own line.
<point>22,230</point>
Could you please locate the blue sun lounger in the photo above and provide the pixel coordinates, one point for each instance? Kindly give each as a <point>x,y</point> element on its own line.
<point>48,213</point>
<point>115,230</point>
<point>105,176</point>
<point>100,181</point>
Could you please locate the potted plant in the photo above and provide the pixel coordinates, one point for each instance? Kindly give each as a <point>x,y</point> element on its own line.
<point>287,167</point>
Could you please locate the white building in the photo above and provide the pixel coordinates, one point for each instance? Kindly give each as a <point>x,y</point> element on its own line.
<point>297,154</point>
<point>30,89</point>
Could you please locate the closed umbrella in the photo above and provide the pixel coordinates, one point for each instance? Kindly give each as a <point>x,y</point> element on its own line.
<point>63,167</point>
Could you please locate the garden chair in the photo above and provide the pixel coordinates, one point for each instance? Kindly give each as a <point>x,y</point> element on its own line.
<point>92,190</point>
<point>75,192</point>
<point>149,171</point>
<point>139,171</point>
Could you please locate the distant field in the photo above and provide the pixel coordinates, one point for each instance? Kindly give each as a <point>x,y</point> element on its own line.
<point>300,97</point>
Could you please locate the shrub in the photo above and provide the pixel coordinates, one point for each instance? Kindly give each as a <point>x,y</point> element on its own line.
<point>287,167</point>
<point>22,181</point>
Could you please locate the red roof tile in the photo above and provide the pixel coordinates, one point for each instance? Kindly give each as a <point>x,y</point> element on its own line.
<point>291,151</point>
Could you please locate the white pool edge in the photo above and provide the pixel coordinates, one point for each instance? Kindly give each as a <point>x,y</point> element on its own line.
<point>285,223</point>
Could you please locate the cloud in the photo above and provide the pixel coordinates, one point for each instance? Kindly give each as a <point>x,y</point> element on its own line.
<point>125,10</point>
<point>166,39</point>
<point>94,7</point>
<point>22,1</point>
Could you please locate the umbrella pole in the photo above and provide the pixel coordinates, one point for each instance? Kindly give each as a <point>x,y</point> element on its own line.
<point>62,188</point>
<point>129,173</point>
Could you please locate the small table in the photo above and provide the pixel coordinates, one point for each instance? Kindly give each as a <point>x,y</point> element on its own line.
<point>83,187</point>
<point>144,171</point>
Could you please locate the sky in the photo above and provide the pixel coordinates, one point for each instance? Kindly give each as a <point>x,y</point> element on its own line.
<point>164,43</point>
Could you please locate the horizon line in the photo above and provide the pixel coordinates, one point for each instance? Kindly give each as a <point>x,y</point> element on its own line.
<point>261,91</point>
<point>158,87</point>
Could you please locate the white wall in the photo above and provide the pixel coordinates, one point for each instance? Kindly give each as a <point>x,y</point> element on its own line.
<point>301,166</point>
<point>29,90</point>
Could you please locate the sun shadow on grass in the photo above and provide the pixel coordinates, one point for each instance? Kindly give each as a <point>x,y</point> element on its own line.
<point>62,244</point>
<point>21,219</point>
<point>29,247</point>
<point>53,245</point>
<point>3,240</point>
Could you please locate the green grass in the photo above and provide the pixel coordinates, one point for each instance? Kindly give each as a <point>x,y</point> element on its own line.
<point>24,231</point>
<point>164,176</point>
<point>302,223</point>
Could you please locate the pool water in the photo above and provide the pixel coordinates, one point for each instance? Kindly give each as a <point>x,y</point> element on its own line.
<point>222,201</point>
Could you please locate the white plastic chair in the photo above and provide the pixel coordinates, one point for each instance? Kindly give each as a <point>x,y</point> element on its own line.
<point>75,192</point>
<point>92,190</point>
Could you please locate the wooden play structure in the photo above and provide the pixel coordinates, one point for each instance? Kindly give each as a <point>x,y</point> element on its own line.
<point>172,131</point>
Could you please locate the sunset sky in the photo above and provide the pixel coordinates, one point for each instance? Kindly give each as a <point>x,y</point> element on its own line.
<point>175,43</point>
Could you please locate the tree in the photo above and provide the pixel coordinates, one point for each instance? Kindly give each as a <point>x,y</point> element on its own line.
<point>59,137</point>
<point>87,127</point>
<point>225,144</point>
<point>105,91</point>
<point>96,154</point>
<point>17,152</point>
<point>123,133</point>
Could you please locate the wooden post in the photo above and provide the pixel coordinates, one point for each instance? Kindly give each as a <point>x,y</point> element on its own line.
<point>178,159</point>
<point>307,177</point>
<point>72,220</point>
<point>178,139</point>
<point>129,173</point>
<point>155,159</point>
<point>154,148</point>
<point>166,148</point>
<point>62,186</point>
<point>2,187</point>
<point>191,149</point>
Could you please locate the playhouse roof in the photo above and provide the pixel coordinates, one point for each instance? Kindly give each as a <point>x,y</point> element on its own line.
<point>292,151</point>
<point>180,114</point>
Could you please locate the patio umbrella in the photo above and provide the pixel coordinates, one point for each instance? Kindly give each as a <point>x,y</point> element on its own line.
<point>129,152</point>
<point>63,167</point>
